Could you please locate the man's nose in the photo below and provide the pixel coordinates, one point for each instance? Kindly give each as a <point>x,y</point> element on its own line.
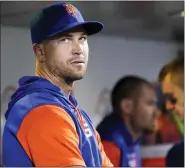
<point>77,48</point>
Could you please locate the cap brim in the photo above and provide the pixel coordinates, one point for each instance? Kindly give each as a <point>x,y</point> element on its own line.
<point>91,27</point>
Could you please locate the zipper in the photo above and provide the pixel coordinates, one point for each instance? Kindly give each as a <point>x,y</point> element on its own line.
<point>79,115</point>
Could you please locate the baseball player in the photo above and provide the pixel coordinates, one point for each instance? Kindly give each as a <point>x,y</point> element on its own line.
<point>175,156</point>
<point>134,113</point>
<point>44,124</point>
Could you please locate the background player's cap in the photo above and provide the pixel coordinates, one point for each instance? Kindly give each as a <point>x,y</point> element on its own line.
<point>59,18</point>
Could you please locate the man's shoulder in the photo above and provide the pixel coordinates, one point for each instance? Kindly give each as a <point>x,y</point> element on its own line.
<point>175,156</point>
<point>41,97</point>
<point>24,104</point>
<point>35,99</point>
<point>46,104</point>
<point>111,134</point>
<point>109,125</point>
<point>177,148</point>
<point>48,112</point>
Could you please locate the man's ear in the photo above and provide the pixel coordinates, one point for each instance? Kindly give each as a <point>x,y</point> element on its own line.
<point>39,52</point>
<point>126,105</point>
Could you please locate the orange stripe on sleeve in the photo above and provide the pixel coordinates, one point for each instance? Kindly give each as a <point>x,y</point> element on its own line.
<point>105,160</point>
<point>113,152</point>
<point>49,137</point>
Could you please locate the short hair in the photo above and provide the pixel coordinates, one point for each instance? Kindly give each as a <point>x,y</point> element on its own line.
<point>177,72</point>
<point>127,87</point>
<point>172,67</point>
<point>164,71</point>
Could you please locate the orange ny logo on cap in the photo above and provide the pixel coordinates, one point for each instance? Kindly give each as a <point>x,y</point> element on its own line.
<point>70,9</point>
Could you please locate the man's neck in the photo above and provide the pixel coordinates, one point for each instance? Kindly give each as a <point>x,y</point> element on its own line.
<point>61,83</point>
<point>135,133</point>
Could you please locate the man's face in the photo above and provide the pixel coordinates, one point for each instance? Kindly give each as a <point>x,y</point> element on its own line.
<point>176,93</point>
<point>145,113</point>
<point>167,85</point>
<point>167,89</point>
<point>66,55</point>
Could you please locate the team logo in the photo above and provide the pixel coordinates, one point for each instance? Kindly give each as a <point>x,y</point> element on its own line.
<point>132,160</point>
<point>87,130</point>
<point>70,9</point>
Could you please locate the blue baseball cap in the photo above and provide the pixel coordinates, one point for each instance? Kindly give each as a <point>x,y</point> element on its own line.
<point>60,18</point>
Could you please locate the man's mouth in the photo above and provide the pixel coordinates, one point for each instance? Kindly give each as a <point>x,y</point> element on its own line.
<point>78,62</point>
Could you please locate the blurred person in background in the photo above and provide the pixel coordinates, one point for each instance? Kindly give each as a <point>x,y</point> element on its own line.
<point>175,156</point>
<point>134,113</point>
<point>165,78</point>
<point>177,78</point>
<point>44,124</point>
<point>170,90</point>
<point>156,136</point>
<point>168,130</point>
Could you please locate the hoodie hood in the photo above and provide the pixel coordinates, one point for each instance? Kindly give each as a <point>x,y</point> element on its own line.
<point>31,84</point>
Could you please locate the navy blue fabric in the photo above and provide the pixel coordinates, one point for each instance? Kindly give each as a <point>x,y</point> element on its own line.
<point>113,129</point>
<point>34,92</point>
<point>175,156</point>
<point>56,19</point>
<point>160,98</point>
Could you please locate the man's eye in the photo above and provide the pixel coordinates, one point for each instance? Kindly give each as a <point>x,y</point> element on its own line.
<point>83,38</point>
<point>170,97</point>
<point>64,40</point>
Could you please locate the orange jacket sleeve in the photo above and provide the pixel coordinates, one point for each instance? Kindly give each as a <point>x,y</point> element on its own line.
<point>113,152</point>
<point>49,137</point>
<point>105,160</point>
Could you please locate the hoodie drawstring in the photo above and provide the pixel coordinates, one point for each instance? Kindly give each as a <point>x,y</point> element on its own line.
<point>79,116</point>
